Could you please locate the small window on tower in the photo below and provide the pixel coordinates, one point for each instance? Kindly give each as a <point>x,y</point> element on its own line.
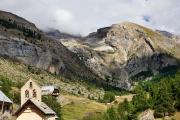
<point>27,94</point>
<point>34,93</point>
<point>30,85</point>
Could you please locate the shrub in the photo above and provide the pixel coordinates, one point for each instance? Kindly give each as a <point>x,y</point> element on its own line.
<point>16,97</point>
<point>54,105</point>
<point>6,85</point>
<point>111,114</point>
<point>108,97</point>
<point>158,114</point>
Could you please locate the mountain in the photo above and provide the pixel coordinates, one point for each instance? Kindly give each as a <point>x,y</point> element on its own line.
<point>166,33</point>
<point>126,52</point>
<point>21,40</point>
<point>115,56</point>
<point>60,35</point>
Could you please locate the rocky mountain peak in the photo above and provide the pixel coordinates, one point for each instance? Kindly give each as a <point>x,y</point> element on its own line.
<point>61,35</point>
<point>120,52</point>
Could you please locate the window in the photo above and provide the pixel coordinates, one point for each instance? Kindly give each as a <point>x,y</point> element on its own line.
<point>26,94</point>
<point>30,85</point>
<point>34,93</point>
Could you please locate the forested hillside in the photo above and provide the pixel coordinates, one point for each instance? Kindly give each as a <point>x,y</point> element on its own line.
<point>162,94</point>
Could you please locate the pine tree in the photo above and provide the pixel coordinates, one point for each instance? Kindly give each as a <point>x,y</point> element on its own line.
<point>177,99</point>
<point>111,114</point>
<point>164,104</point>
<point>124,110</point>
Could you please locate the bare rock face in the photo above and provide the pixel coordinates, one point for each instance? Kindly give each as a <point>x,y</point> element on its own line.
<point>21,40</point>
<point>147,115</point>
<point>25,52</point>
<point>115,55</point>
<point>123,52</point>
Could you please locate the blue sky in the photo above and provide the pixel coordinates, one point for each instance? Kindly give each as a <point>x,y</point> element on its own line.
<point>85,16</point>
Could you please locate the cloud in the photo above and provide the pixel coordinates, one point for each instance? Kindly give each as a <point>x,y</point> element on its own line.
<point>85,16</point>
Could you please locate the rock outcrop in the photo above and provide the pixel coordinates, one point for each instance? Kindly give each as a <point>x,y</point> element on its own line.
<point>125,52</point>
<point>21,40</point>
<point>146,115</point>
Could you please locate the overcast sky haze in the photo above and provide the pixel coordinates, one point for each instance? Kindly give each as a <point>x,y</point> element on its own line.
<point>85,16</point>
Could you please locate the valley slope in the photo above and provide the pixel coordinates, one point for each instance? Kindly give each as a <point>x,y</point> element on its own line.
<point>126,52</point>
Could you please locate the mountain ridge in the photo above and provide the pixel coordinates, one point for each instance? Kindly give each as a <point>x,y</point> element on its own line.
<point>123,50</point>
<point>33,47</point>
<point>112,56</point>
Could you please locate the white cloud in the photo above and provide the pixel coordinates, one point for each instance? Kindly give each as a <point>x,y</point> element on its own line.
<point>63,16</point>
<point>85,16</point>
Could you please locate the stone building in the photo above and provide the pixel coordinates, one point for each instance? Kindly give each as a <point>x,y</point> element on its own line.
<point>32,108</point>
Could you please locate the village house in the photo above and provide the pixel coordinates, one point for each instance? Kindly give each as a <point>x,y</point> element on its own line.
<point>32,107</point>
<point>5,103</point>
<point>50,90</point>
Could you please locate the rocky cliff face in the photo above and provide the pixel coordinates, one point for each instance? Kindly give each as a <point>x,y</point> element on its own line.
<point>124,52</point>
<point>115,55</point>
<point>22,41</point>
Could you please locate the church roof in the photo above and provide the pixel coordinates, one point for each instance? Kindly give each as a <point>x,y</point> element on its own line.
<point>40,105</point>
<point>4,98</point>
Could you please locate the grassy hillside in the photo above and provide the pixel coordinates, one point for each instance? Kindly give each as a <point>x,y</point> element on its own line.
<point>17,72</point>
<point>79,107</point>
<point>75,105</point>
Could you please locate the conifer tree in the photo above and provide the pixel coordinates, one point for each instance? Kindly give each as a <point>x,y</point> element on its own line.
<point>164,104</point>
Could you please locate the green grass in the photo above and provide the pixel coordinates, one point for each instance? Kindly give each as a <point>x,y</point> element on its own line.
<point>80,107</point>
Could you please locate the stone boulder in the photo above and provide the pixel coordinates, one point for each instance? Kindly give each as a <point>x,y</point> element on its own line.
<point>146,115</point>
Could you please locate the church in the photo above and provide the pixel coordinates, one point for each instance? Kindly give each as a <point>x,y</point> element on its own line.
<point>32,107</point>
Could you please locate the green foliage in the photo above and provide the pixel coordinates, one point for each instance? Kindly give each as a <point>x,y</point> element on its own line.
<point>108,97</point>
<point>19,84</point>
<point>140,102</point>
<point>53,104</point>
<point>142,75</point>
<point>177,100</point>
<point>6,85</point>
<point>124,109</point>
<point>161,94</point>
<point>8,23</point>
<point>111,114</point>
<point>16,97</point>
<point>164,103</point>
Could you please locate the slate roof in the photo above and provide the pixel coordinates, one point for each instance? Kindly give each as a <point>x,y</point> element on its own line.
<point>4,98</point>
<point>43,107</point>
<point>49,89</point>
<point>40,105</point>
